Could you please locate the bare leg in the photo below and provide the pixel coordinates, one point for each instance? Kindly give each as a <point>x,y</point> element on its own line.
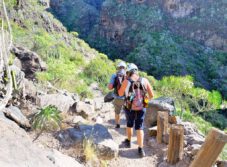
<point>117,118</point>
<point>129,132</point>
<point>140,137</point>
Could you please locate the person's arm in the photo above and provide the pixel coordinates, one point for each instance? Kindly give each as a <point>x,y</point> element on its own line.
<point>111,83</point>
<point>124,85</point>
<point>149,90</point>
<point>110,86</point>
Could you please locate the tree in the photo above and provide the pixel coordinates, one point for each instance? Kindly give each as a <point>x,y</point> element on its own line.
<point>176,87</point>
<point>203,100</point>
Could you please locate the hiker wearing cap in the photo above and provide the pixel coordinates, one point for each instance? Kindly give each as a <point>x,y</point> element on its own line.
<point>137,91</point>
<point>115,83</point>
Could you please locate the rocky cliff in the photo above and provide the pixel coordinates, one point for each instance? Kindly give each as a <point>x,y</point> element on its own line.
<point>163,37</point>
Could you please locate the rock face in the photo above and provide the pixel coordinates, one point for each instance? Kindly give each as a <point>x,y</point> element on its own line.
<point>98,134</point>
<point>159,104</point>
<point>30,61</point>
<point>17,150</point>
<point>164,32</point>
<point>84,17</point>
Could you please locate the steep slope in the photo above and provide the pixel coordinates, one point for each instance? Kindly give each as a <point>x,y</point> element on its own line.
<point>66,55</point>
<point>169,37</point>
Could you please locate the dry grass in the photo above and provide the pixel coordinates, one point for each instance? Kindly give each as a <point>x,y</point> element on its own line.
<point>89,150</point>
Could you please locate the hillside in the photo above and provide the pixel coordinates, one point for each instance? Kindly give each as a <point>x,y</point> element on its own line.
<point>162,37</point>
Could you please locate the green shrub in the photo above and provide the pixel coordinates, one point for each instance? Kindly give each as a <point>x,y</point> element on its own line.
<point>203,125</point>
<point>10,3</point>
<point>100,70</point>
<point>175,87</point>
<point>216,119</point>
<point>48,119</point>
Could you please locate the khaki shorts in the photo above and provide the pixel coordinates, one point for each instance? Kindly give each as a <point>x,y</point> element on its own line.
<point>118,104</point>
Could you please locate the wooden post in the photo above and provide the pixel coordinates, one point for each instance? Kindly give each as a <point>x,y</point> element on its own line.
<point>162,126</point>
<point>211,148</point>
<point>176,144</point>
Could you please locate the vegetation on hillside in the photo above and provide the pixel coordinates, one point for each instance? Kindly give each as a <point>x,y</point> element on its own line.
<point>147,34</point>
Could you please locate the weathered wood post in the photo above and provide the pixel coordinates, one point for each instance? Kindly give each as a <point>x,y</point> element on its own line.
<point>176,144</point>
<point>162,126</point>
<point>211,148</point>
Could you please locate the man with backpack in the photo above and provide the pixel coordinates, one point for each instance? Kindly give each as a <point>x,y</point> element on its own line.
<point>115,83</point>
<point>137,91</point>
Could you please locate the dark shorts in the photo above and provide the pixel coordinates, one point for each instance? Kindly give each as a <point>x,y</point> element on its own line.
<point>135,117</point>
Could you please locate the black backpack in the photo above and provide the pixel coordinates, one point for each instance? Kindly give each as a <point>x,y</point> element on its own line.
<point>117,83</point>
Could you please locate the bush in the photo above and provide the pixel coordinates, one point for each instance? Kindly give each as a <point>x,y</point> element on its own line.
<point>216,119</point>
<point>203,125</point>
<point>175,87</point>
<point>47,119</point>
<point>99,70</point>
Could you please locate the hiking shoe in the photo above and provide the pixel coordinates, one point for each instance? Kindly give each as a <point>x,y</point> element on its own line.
<point>117,126</point>
<point>141,152</point>
<point>127,143</point>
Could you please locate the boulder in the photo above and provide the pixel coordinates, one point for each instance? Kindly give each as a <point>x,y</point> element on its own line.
<point>61,101</point>
<point>84,109</point>
<point>159,104</point>
<point>18,150</point>
<point>152,131</point>
<point>189,128</point>
<point>98,103</point>
<point>191,134</point>
<point>79,120</point>
<point>30,91</point>
<point>30,61</point>
<point>194,139</point>
<point>194,149</point>
<point>15,114</point>
<point>102,139</point>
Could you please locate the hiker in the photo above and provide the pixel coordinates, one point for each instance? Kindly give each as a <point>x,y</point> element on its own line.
<point>115,83</point>
<point>138,92</point>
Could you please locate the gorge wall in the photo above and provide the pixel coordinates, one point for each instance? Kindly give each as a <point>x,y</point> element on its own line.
<point>167,37</point>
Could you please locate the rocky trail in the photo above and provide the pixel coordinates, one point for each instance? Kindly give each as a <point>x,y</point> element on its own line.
<point>82,119</point>
<point>129,156</point>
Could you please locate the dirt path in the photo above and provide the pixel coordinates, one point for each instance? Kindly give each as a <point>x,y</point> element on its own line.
<point>128,156</point>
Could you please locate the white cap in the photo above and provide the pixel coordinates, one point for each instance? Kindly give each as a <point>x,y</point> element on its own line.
<point>132,67</point>
<point>121,64</point>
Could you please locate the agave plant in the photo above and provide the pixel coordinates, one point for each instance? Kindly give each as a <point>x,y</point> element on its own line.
<point>48,119</point>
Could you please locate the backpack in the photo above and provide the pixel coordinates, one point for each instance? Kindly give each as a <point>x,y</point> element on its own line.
<point>136,95</point>
<point>117,83</point>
